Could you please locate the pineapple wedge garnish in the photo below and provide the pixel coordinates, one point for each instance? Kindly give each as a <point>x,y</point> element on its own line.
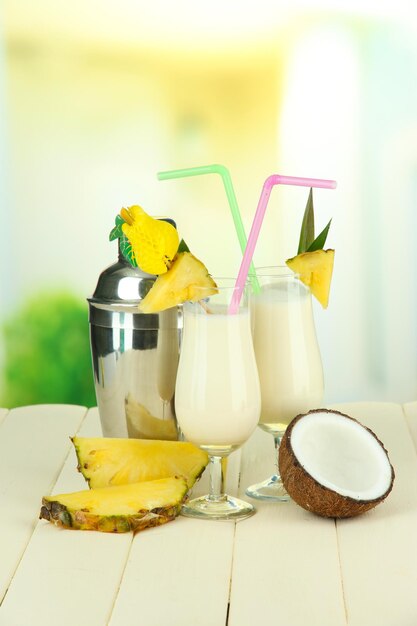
<point>186,280</point>
<point>117,509</point>
<point>154,246</point>
<point>313,264</point>
<point>315,270</point>
<point>106,461</point>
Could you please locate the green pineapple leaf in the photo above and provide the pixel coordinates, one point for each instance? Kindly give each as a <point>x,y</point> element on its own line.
<point>116,232</point>
<point>127,250</point>
<point>183,247</point>
<point>125,245</point>
<point>307,227</point>
<point>320,240</point>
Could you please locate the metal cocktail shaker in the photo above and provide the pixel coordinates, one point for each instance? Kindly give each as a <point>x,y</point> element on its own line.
<point>135,356</point>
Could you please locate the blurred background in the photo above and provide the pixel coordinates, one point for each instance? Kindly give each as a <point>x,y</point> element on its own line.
<point>96,97</point>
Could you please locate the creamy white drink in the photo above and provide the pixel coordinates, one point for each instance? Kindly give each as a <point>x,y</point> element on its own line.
<point>217,396</point>
<point>287,353</point>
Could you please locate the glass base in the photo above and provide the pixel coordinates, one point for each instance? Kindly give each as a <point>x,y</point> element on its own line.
<point>271,489</point>
<point>227,508</point>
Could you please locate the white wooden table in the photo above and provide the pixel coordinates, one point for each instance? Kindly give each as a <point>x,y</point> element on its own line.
<point>281,567</point>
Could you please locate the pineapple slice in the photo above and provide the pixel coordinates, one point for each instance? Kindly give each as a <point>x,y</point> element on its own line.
<point>315,270</point>
<point>117,509</point>
<point>187,279</point>
<point>143,425</point>
<point>105,462</point>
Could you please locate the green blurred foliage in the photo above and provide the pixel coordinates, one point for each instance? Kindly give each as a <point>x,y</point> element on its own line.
<point>47,353</point>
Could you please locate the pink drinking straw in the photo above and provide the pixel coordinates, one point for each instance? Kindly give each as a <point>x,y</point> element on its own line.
<point>274,179</point>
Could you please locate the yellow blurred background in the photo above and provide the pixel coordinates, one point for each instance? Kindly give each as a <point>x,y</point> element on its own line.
<point>97,97</point>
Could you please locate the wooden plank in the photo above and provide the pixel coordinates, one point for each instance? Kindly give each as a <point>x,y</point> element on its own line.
<point>182,575</point>
<point>285,565</point>
<point>179,574</point>
<point>80,573</point>
<point>410,410</point>
<point>72,577</point>
<point>34,443</point>
<point>378,550</point>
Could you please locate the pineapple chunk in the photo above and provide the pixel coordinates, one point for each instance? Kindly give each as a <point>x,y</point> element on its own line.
<point>186,280</point>
<point>117,509</point>
<point>105,462</point>
<point>315,270</point>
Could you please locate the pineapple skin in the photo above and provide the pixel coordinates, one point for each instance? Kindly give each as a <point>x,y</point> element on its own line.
<point>123,508</point>
<point>77,519</point>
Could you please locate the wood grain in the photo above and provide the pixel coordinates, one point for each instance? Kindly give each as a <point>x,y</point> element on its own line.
<point>179,574</point>
<point>285,565</point>
<point>378,550</point>
<point>73,576</point>
<point>282,567</point>
<point>34,442</point>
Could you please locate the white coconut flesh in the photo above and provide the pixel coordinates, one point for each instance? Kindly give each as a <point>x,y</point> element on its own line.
<point>341,455</point>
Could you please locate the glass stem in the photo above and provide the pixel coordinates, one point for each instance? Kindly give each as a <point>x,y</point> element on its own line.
<point>216,493</point>
<point>277,442</point>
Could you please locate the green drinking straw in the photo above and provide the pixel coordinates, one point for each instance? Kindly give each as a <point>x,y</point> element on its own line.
<point>231,197</point>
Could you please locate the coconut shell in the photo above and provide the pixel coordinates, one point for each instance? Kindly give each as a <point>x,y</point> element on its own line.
<point>308,492</point>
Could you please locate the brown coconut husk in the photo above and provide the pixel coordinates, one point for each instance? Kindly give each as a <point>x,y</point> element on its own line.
<point>308,492</point>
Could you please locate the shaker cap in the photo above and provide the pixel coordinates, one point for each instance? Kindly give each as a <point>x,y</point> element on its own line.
<point>121,283</point>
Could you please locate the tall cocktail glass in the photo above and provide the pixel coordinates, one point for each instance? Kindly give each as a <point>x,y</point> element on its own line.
<point>288,360</point>
<point>217,396</point>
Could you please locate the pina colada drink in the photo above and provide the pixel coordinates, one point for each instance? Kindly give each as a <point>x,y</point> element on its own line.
<point>217,394</point>
<point>287,353</point>
<point>288,359</point>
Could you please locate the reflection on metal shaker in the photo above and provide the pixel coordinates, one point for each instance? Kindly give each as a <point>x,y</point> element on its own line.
<point>135,356</point>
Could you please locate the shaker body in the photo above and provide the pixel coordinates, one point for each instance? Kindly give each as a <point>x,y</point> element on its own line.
<point>134,356</point>
<point>135,360</point>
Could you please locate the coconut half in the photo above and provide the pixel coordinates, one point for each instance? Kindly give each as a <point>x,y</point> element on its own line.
<point>334,466</point>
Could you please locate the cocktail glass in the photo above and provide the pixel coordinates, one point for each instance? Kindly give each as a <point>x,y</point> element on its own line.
<point>217,396</point>
<point>288,359</point>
